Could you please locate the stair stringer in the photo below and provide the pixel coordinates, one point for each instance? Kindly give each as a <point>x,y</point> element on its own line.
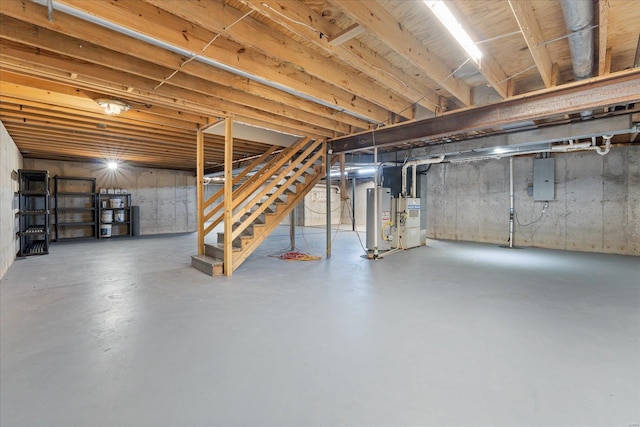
<point>240,256</point>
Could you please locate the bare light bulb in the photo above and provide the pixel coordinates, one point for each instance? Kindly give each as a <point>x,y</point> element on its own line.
<point>112,165</point>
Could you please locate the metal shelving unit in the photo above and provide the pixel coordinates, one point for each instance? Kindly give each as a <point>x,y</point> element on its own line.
<point>120,227</point>
<point>75,208</point>
<point>33,212</point>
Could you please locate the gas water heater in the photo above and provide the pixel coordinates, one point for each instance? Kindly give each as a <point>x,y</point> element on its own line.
<point>379,221</point>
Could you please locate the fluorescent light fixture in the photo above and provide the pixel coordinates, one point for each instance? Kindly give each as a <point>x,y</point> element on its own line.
<point>442,12</point>
<point>112,165</point>
<point>113,107</point>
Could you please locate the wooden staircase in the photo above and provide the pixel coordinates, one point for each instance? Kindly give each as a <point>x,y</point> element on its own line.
<point>261,202</point>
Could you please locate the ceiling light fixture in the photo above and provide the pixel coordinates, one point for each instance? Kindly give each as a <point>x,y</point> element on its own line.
<point>113,106</point>
<point>112,165</point>
<point>442,12</point>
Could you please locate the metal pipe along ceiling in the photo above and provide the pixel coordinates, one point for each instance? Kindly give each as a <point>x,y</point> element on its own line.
<point>578,17</point>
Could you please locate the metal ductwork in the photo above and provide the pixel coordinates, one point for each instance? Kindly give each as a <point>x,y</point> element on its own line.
<point>578,17</point>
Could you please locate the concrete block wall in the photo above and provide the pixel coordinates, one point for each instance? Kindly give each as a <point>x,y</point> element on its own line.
<point>596,206</point>
<point>167,198</point>
<point>10,162</point>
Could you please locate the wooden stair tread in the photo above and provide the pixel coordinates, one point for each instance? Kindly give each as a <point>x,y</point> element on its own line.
<point>221,246</point>
<point>208,259</point>
<point>207,264</point>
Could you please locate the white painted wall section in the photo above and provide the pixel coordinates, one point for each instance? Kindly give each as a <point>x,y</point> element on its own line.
<point>10,162</point>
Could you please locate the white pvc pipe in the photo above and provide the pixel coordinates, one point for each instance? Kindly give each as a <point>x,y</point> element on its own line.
<point>413,181</point>
<point>583,146</point>
<point>571,147</point>
<point>414,164</point>
<point>607,145</point>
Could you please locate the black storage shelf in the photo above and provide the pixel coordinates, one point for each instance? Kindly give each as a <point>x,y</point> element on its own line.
<point>74,193</point>
<point>33,193</point>
<point>119,228</point>
<point>75,209</point>
<point>35,229</point>
<point>69,200</point>
<point>36,247</point>
<point>76,238</point>
<point>33,212</point>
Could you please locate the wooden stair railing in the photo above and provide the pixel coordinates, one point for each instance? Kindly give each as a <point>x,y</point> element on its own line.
<point>263,200</point>
<point>219,208</point>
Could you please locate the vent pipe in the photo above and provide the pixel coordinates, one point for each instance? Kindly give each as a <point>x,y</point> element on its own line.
<point>414,164</point>
<point>578,18</point>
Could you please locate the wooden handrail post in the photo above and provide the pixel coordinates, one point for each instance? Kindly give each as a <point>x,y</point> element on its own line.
<point>228,195</point>
<point>200,188</point>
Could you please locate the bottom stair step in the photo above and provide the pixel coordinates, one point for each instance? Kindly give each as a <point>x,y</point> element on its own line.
<point>208,265</point>
<point>217,250</point>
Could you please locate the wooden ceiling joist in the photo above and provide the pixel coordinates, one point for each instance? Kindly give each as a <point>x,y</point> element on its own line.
<point>525,16</point>
<point>603,28</point>
<point>168,28</point>
<point>166,95</point>
<point>216,17</point>
<point>192,90</point>
<point>289,15</point>
<point>378,21</point>
<point>226,84</point>
<point>307,68</point>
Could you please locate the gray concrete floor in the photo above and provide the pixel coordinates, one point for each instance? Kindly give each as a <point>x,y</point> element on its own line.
<point>126,333</point>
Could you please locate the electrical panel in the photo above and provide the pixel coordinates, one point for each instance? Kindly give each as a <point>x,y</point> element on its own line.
<point>544,174</point>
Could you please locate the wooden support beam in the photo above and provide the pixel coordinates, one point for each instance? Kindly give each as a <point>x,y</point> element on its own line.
<point>378,21</point>
<point>200,189</point>
<point>636,61</point>
<point>607,61</point>
<point>619,88</point>
<point>525,16</point>
<point>555,75</point>
<point>347,34</point>
<point>228,196</point>
<point>603,27</point>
